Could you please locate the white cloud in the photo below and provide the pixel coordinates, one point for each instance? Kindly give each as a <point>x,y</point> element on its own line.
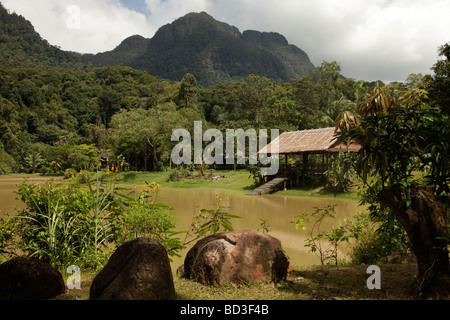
<point>371,39</point>
<point>103,24</point>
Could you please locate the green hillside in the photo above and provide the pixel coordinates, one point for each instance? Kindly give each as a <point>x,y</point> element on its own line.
<point>22,46</point>
<point>212,51</point>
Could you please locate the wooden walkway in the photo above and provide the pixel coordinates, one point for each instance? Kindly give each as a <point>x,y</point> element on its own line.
<point>267,186</point>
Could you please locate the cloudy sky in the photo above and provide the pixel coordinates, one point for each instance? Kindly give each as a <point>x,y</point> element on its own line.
<point>371,39</point>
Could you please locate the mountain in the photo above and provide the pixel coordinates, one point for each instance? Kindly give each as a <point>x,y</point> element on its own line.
<point>22,46</point>
<point>128,51</point>
<point>212,51</point>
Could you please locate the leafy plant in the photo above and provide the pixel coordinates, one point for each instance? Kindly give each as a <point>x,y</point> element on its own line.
<point>146,218</point>
<point>179,174</point>
<point>255,173</point>
<point>211,221</point>
<point>65,223</point>
<point>323,243</point>
<point>6,235</point>
<point>340,176</point>
<point>373,241</point>
<point>263,226</point>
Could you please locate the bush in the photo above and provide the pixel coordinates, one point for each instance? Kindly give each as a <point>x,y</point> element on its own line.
<point>373,242</point>
<point>62,224</point>
<point>340,175</point>
<point>179,174</point>
<point>154,220</point>
<point>7,163</point>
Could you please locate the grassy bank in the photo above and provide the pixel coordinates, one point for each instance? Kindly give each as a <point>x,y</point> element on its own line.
<point>311,283</point>
<point>238,180</point>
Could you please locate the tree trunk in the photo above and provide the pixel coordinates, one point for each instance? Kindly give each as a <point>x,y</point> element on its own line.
<point>424,223</point>
<point>202,171</point>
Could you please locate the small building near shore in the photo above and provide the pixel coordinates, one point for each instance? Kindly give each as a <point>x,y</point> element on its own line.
<point>315,148</point>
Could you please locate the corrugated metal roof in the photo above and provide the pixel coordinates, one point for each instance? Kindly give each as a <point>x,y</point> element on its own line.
<point>309,141</point>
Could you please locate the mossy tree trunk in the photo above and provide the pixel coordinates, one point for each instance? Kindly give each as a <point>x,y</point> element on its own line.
<point>423,219</point>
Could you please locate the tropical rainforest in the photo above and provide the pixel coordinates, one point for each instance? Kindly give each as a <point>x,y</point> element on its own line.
<point>59,112</point>
<point>62,112</point>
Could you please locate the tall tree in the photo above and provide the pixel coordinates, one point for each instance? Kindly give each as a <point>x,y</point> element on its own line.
<point>254,94</point>
<point>439,86</point>
<point>399,138</point>
<point>187,96</point>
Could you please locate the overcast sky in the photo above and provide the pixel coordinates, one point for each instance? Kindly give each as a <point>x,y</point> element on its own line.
<point>371,39</point>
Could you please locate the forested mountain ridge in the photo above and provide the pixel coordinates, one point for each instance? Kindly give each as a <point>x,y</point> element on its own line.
<point>58,114</point>
<point>123,55</point>
<point>22,46</point>
<point>212,51</point>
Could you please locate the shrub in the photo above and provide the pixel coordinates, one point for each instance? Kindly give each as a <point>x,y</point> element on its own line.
<point>340,175</point>
<point>179,174</point>
<point>323,243</point>
<point>154,220</point>
<point>62,224</point>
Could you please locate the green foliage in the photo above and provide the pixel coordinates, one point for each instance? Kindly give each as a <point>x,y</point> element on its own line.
<point>439,84</point>
<point>146,218</point>
<point>323,243</point>
<point>180,173</point>
<point>7,227</point>
<point>255,174</point>
<point>187,96</point>
<point>52,117</point>
<point>340,176</point>
<point>399,139</point>
<point>211,221</point>
<point>7,162</point>
<point>263,226</point>
<point>66,224</point>
<point>374,239</point>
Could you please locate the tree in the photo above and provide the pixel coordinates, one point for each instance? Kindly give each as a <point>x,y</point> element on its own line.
<point>187,96</point>
<point>328,76</point>
<point>109,103</point>
<point>33,160</point>
<point>439,86</point>
<point>400,137</point>
<point>129,133</point>
<point>254,94</point>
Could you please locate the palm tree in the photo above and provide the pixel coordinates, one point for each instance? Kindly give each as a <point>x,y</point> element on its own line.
<point>33,160</point>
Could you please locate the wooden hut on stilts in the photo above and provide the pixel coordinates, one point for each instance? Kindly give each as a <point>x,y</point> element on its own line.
<point>314,150</point>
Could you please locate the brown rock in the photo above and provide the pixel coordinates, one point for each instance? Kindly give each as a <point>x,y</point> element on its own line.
<point>25,278</point>
<point>138,270</point>
<point>238,257</point>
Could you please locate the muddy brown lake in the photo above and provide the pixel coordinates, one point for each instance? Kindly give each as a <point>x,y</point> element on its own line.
<point>275,210</point>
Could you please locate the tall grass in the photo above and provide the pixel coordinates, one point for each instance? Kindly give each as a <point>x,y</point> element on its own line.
<point>69,222</point>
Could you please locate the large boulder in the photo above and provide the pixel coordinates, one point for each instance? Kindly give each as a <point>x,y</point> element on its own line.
<point>25,278</point>
<point>138,270</point>
<point>237,257</point>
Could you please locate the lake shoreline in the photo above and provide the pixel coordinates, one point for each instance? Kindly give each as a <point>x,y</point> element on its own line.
<point>237,180</point>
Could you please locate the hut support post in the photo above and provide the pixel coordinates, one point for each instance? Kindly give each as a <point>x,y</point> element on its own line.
<point>285,169</point>
<point>305,167</point>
